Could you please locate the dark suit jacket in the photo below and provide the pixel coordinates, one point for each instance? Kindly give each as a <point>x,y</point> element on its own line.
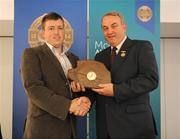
<point>49,95</point>
<point>128,114</point>
<point>0,133</point>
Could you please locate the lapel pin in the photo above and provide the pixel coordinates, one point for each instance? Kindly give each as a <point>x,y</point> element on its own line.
<point>123,53</point>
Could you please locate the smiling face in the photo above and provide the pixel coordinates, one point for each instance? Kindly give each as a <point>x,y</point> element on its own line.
<point>53,32</point>
<point>113,29</point>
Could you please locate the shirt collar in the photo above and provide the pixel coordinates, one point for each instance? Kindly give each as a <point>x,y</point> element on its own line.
<point>54,49</point>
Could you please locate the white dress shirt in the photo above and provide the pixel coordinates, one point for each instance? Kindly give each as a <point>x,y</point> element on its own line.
<point>62,58</point>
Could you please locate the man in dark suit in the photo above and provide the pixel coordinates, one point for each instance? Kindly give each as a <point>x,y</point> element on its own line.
<point>0,133</point>
<point>51,105</point>
<point>123,108</point>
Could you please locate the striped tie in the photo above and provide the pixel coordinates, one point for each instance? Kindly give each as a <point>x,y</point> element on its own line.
<point>113,54</point>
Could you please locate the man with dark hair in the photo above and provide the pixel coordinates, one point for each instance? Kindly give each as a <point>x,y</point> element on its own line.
<point>123,108</point>
<point>51,104</point>
<point>51,16</point>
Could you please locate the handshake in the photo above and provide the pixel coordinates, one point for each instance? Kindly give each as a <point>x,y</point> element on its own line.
<point>80,106</point>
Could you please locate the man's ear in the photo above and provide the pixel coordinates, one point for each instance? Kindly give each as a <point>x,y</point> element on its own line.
<point>124,27</point>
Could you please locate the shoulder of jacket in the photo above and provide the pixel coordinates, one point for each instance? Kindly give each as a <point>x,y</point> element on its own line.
<point>142,43</point>
<point>32,50</point>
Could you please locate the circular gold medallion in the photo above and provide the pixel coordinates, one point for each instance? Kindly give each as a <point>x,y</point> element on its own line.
<point>123,55</point>
<point>35,36</point>
<point>91,76</point>
<point>144,13</point>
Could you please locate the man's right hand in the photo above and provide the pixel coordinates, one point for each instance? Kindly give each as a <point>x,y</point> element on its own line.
<point>80,106</point>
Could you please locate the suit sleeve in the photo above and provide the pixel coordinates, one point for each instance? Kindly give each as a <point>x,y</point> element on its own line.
<point>36,89</point>
<point>146,78</point>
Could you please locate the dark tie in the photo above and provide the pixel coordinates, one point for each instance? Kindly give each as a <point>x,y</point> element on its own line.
<point>113,54</point>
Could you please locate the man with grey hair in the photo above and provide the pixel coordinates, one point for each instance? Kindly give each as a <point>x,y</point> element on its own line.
<point>123,108</point>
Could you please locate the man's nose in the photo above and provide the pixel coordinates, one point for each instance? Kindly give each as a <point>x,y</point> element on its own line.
<point>56,31</point>
<point>109,31</point>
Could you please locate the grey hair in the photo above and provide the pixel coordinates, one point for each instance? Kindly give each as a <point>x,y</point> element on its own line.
<point>114,13</point>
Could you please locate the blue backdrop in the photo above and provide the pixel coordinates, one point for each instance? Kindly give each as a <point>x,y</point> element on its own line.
<point>75,12</point>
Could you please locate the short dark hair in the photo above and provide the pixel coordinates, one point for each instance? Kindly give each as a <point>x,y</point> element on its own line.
<point>51,16</point>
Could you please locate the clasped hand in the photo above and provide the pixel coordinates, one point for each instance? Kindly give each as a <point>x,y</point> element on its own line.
<point>80,106</point>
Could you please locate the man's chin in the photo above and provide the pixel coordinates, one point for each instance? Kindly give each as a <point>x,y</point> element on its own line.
<point>112,44</point>
<point>57,45</point>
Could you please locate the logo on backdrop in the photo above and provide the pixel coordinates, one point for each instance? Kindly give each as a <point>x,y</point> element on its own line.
<point>144,13</point>
<point>35,38</point>
<point>99,46</point>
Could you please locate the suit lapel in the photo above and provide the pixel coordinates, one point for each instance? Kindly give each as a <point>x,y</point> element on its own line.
<point>54,60</point>
<point>107,58</point>
<point>122,55</point>
<point>71,59</point>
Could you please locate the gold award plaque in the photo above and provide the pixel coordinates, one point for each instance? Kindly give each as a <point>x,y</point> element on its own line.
<point>90,73</point>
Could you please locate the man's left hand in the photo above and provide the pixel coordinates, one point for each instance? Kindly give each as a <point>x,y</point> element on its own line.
<point>105,89</point>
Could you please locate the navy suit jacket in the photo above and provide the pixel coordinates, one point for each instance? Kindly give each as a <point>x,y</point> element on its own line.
<point>134,74</point>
